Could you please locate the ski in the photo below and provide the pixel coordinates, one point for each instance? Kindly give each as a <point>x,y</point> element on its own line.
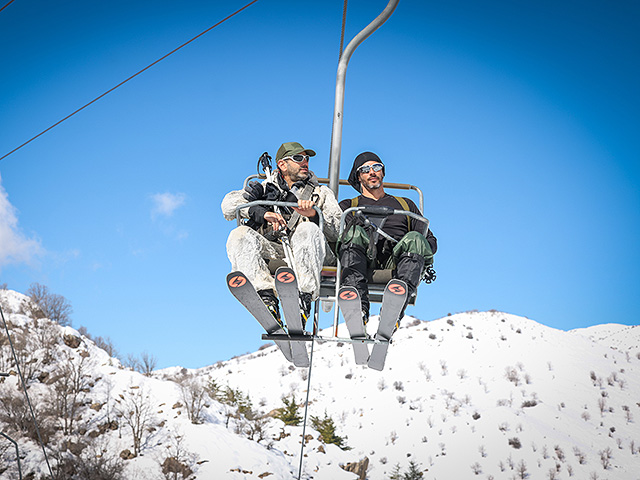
<point>349,302</point>
<point>395,294</point>
<point>244,291</point>
<point>287,288</point>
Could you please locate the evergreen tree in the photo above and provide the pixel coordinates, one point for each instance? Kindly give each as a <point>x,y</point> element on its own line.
<point>327,430</point>
<point>413,473</point>
<point>289,413</point>
<point>395,474</point>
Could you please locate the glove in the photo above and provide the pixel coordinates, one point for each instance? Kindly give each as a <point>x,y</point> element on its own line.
<point>253,191</point>
<point>272,192</point>
<point>256,216</point>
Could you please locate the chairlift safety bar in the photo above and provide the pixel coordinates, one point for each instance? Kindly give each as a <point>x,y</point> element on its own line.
<point>277,204</point>
<point>325,181</point>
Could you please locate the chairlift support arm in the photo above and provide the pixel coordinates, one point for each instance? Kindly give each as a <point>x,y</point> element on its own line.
<point>336,133</point>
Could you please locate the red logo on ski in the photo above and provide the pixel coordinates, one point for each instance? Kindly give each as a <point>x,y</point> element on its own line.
<point>397,289</point>
<point>286,277</point>
<point>237,281</point>
<point>348,295</point>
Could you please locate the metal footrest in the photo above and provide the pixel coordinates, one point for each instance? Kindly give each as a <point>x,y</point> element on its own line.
<point>311,338</point>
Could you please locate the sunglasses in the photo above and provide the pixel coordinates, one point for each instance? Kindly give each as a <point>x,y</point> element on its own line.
<point>298,158</point>
<point>376,168</point>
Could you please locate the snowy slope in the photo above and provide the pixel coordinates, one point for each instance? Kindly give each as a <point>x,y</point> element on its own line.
<point>474,395</point>
<point>621,337</point>
<point>445,402</point>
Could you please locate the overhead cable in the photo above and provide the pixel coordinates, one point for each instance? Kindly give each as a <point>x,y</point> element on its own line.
<point>10,2</point>
<point>131,77</point>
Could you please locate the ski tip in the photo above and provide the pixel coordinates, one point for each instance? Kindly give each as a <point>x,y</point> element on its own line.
<point>348,293</point>
<point>236,280</point>
<point>285,275</point>
<point>397,287</point>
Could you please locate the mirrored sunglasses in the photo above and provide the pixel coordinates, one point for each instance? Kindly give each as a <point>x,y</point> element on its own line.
<point>298,158</point>
<point>376,168</point>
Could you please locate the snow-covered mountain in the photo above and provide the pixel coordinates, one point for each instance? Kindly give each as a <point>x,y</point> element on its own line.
<point>473,395</point>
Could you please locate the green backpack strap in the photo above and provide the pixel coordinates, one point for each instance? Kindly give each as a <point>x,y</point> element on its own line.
<point>405,206</point>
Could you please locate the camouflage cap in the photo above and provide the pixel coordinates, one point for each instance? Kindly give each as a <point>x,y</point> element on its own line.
<point>292,148</point>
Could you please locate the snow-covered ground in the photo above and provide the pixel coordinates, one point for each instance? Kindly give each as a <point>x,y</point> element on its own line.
<point>474,395</point>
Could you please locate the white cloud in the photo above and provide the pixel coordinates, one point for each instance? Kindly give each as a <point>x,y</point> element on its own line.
<point>15,247</point>
<point>164,204</point>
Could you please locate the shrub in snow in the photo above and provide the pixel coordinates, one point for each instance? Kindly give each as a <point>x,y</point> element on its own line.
<point>582,458</point>
<point>605,457</point>
<point>443,366</point>
<point>559,453</point>
<point>515,442</point>
<point>512,375</point>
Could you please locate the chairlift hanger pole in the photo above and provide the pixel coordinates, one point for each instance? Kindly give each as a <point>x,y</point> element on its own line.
<point>336,133</point>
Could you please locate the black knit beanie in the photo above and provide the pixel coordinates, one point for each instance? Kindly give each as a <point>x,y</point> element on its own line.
<point>360,160</point>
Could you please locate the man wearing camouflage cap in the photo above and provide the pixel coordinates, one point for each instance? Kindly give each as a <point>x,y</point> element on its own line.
<point>249,250</point>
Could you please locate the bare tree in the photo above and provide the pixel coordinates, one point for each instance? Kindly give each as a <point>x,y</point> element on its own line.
<point>521,470</point>
<point>148,363</point>
<point>15,416</point>
<point>55,307</point>
<point>136,412</point>
<point>145,364</point>
<point>194,397</point>
<point>98,462</point>
<point>177,466</point>
<point>602,405</point>
<point>69,384</point>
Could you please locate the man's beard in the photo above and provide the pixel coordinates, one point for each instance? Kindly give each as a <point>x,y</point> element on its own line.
<point>299,176</point>
<point>373,186</point>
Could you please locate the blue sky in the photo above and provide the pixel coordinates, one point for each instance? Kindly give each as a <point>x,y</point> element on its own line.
<point>519,122</point>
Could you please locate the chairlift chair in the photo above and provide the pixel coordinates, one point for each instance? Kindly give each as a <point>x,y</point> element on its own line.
<point>329,277</point>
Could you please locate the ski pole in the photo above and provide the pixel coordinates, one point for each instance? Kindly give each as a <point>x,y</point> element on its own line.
<point>265,161</point>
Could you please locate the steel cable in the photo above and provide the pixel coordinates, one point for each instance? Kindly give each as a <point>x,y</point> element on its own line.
<point>131,77</point>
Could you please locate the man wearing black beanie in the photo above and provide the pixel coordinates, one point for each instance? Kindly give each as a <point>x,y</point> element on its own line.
<point>360,254</point>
